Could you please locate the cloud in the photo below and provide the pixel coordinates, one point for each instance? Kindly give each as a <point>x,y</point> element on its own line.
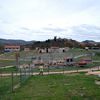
<point>54,29</point>
<point>43,19</point>
<point>25,28</point>
<point>84,32</point>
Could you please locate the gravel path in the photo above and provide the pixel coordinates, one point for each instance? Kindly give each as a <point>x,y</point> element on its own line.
<point>89,71</point>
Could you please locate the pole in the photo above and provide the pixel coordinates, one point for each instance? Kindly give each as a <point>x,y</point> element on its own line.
<point>48,69</point>
<point>17,55</point>
<point>12,82</point>
<point>63,69</point>
<point>20,77</point>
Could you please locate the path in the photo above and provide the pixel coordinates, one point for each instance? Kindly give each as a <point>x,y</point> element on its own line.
<point>60,72</point>
<point>80,56</point>
<point>6,67</point>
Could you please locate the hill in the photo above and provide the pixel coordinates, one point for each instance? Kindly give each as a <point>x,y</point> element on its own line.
<point>14,42</point>
<point>56,42</point>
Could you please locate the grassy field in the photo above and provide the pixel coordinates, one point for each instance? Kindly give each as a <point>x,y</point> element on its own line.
<point>7,86</point>
<point>52,69</point>
<point>58,87</point>
<point>8,62</point>
<point>50,87</point>
<point>8,70</point>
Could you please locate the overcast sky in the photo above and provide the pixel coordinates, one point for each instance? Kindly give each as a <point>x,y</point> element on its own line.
<point>44,19</point>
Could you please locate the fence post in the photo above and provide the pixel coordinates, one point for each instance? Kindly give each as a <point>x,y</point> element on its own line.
<point>20,77</point>
<point>12,80</point>
<point>48,69</point>
<point>63,69</point>
<point>77,69</point>
<point>98,67</point>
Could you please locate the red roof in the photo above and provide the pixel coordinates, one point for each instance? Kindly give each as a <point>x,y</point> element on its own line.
<point>82,63</point>
<point>12,46</point>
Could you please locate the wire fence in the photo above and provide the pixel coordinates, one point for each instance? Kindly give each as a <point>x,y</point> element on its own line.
<point>10,81</point>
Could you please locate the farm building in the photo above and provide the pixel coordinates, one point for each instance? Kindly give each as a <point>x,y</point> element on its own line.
<point>84,61</point>
<point>45,50</point>
<point>69,61</point>
<point>63,49</point>
<point>52,49</point>
<point>11,48</point>
<point>26,49</point>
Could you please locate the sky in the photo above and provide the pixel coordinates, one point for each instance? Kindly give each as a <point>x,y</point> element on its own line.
<point>43,19</point>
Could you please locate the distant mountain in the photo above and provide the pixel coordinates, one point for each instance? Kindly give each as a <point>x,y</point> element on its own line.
<point>14,42</point>
<point>89,41</point>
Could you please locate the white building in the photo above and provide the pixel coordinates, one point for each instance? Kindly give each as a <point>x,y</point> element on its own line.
<point>11,48</point>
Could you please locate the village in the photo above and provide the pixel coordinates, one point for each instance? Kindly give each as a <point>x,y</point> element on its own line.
<point>21,65</point>
<point>49,60</point>
<point>49,50</point>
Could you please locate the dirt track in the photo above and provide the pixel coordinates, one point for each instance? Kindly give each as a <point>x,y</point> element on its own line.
<point>89,71</point>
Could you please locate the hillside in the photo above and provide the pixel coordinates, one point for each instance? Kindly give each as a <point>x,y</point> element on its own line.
<point>15,42</point>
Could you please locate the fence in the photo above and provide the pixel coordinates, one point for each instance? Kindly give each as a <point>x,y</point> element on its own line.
<point>9,82</point>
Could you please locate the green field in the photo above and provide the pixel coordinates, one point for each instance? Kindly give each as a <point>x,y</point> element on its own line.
<point>8,70</point>
<point>49,87</point>
<point>7,86</point>
<point>8,62</point>
<point>58,87</point>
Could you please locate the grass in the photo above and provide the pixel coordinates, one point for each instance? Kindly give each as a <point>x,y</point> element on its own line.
<point>51,87</point>
<point>6,86</point>
<point>58,87</point>
<point>67,68</point>
<point>8,70</point>
<point>8,62</point>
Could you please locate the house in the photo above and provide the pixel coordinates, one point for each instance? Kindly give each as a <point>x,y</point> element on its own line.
<point>11,48</point>
<point>45,50</point>
<point>63,49</point>
<point>69,61</point>
<point>26,49</point>
<point>54,49</point>
<point>84,61</point>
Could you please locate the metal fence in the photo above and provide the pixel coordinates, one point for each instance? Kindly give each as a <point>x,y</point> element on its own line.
<point>11,81</point>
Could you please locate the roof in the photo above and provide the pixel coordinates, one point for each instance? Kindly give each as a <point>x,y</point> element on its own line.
<point>69,58</point>
<point>54,47</point>
<point>11,46</point>
<point>82,62</point>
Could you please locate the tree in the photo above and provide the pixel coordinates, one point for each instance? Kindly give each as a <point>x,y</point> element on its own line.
<point>1,48</point>
<point>55,38</point>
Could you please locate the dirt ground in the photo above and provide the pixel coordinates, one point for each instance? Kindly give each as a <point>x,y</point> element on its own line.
<point>93,73</point>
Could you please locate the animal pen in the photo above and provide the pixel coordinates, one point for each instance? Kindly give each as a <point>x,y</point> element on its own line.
<point>29,65</point>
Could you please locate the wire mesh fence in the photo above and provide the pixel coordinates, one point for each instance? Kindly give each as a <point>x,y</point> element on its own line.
<point>13,79</point>
<point>10,82</point>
